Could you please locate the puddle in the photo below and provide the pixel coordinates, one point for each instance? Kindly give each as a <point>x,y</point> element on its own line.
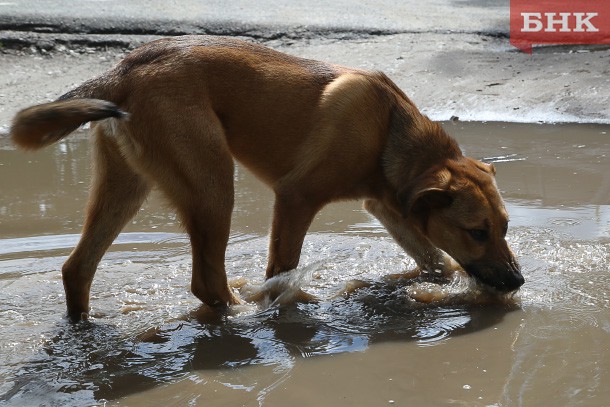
<point>150,342</point>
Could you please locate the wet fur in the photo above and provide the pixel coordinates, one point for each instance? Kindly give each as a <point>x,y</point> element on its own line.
<point>314,132</point>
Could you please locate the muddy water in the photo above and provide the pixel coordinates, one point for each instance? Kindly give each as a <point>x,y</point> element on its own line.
<point>149,342</point>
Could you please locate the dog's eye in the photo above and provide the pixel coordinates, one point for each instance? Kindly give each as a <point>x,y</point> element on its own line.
<point>480,235</point>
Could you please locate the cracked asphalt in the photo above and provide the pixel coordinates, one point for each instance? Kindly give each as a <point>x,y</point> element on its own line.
<point>452,57</point>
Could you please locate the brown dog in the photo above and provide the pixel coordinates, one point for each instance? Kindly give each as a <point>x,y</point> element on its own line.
<point>314,132</point>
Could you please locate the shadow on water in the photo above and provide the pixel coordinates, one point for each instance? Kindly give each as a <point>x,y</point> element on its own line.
<point>90,361</point>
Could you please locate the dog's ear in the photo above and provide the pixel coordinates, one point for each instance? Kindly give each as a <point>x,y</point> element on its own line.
<point>429,191</point>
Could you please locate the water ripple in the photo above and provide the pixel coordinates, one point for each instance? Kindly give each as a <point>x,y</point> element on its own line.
<point>146,328</point>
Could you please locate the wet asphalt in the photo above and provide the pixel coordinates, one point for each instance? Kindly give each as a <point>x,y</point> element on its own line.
<point>453,57</point>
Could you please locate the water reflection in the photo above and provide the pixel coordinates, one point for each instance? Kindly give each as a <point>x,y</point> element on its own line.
<point>93,361</point>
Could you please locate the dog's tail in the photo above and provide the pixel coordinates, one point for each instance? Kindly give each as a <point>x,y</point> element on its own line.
<point>41,125</point>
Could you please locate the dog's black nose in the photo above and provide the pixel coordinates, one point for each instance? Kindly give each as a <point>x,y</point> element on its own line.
<point>502,279</point>
<point>512,283</point>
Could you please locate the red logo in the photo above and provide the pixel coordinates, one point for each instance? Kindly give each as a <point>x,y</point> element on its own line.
<point>559,22</point>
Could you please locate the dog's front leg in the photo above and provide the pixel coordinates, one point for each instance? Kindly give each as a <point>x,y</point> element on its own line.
<point>427,257</point>
<point>292,216</point>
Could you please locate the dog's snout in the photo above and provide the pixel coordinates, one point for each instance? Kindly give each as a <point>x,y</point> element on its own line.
<point>515,281</point>
<point>505,279</point>
<point>517,277</point>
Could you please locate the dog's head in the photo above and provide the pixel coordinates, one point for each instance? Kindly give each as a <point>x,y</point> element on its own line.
<point>458,207</point>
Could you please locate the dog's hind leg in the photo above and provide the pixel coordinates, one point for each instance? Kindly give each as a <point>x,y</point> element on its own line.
<point>207,219</point>
<point>116,195</point>
<point>195,170</point>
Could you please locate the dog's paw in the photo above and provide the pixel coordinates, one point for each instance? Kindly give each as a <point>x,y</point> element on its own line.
<point>350,287</point>
<point>283,289</point>
<point>407,275</point>
<point>451,266</point>
<point>269,295</point>
<point>427,292</point>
